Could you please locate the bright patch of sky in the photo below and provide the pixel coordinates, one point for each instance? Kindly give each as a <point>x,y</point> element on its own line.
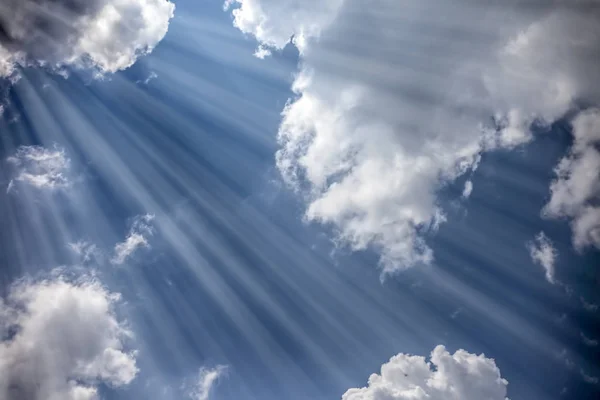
<point>299,199</point>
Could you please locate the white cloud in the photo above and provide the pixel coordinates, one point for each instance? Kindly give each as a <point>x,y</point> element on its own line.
<point>40,167</point>
<point>542,252</point>
<point>207,378</point>
<point>60,341</point>
<point>458,376</point>
<point>576,191</point>
<point>275,22</point>
<point>152,75</point>
<point>262,52</point>
<point>395,99</point>
<point>136,239</point>
<point>85,250</point>
<point>123,250</point>
<point>468,189</point>
<point>105,34</point>
<point>7,62</point>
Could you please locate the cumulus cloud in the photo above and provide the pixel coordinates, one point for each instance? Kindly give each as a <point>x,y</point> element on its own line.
<point>107,35</point>
<point>542,252</point>
<point>61,340</point>
<point>136,239</point>
<point>275,22</point>
<point>207,378</point>
<point>40,167</point>
<point>396,99</point>
<point>458,376</point>
<point>575,194</point>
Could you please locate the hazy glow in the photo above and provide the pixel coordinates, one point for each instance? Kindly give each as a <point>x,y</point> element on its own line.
<point>163,183</point>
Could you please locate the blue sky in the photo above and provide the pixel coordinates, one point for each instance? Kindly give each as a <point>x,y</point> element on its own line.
<point>175,159</point>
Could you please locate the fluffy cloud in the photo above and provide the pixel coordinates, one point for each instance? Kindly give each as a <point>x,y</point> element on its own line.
<point>576,191</point>
<point>136,239</point>
<point>60,340</point>
<point>105,34</point>
<point>542,252</point>
<point>458,376</point>
<point>274,22</point>
<point>207,378</point>
<point>395,99</point>
<point>41,167</point>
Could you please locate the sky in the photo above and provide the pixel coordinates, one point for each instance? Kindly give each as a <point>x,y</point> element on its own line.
<point>318,199</point>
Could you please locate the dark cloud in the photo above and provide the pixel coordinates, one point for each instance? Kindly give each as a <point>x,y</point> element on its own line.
<point>41,28</point>
<point>105,34</point>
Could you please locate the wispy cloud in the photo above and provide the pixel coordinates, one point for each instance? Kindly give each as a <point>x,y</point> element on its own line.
<point>587,305</point>
<point>152,75</point>
<point>207,379</point>
<point>85,250</point>
<point>593,380</point>
<point>136,239</point>
<point>40,167</point>
<point>589,342</point>
<point>542,252</point>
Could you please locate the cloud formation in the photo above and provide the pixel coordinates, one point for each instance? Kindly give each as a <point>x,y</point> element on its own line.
<point>542,252</point>
<point>107,35</point>
<point>396,99</point>
<point>40,167</point>
<point>589,342</point>
<point>468,189</point>
<point>207,378</point>
<point>588,306</point>
<point>575,194</point>
<point>458,376</point>
<point>61,340</point>
<point>275,23</point>
<point>86,251</point>
<point>136,239</point>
